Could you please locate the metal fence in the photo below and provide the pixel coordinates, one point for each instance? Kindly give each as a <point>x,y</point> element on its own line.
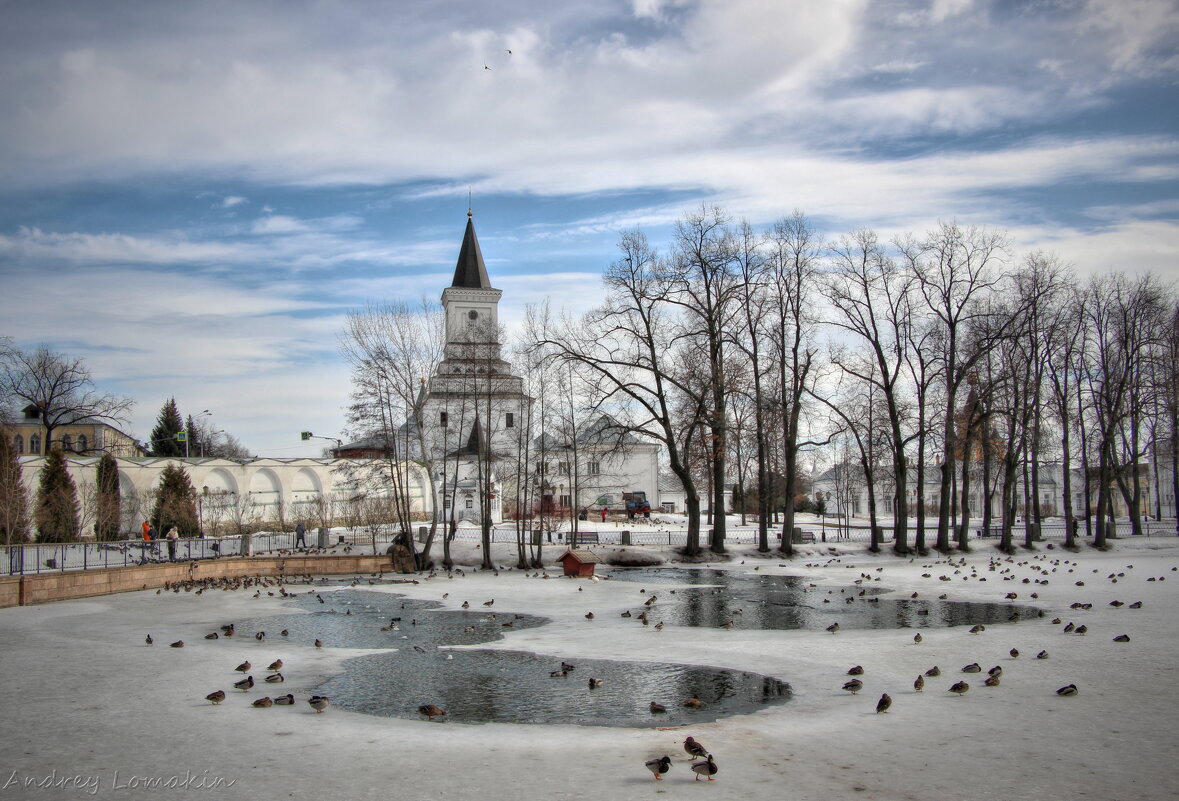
<point>48,558</point>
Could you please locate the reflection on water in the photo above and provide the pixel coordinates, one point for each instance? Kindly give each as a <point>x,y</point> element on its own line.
<point>482,686</point>
<point>736,600</point>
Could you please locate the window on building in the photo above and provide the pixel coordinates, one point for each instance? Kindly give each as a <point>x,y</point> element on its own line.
<point>563,468</point>
<point>855,506</point>
<point>541,468</point>
<point>565,501</point>
<point>446,502</point>
<point>888,506</point>
<point>442,419</point>
<point>470,504</point>
<point>510,420</point>
<point>67,443</point>
<point>18,443</point>
<point>593,468</point>
<point>35,443</point>
<point>82,443</point>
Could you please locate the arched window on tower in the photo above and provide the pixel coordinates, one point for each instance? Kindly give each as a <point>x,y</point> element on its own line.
<point>34,443</point>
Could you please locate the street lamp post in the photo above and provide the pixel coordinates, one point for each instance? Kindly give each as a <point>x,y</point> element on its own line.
<point>202,413</point>
<point>306,435</point>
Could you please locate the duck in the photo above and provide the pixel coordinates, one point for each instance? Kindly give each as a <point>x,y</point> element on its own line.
<point>245,684</point>
<point>934,671</point>
<point>1135,605</point>
<point>275,678</point>
<point>558,674</point>
<point>1122,638</point>
<point>973,667</point>
<point>834,627</point>
<point>1081,629</point>
<point>693,703</point>
<point>694,748</point>
<point>430,711</point>
<point>319,643</point>
<point>178,644</point>
<point>1068,629</point>
<point>919,683</point>
<point>260,636</point>
<point>706,767</point>
<point>959,687</point>
<point>276,665</point>
<point>285,700</point>
<point>216,697</point>
<point>318,702</point>
<point>566,666</point>
<point>263,703</point>
<point>992,680</point>
<point>995,671</point>
<point>244,667</point>
<point>285,632</point>
<point>856,671</point>
<point>589,615</point>
<point>148,640</point>
<point>656,707</point>
<point>594,683</point>
<point>1014,653</point>
<point>212,636</point>
<point>917,638</point>
<point>1042,655</point>
<point>659,625</point>
<point>1068,690</point>
<point>976,629</point>
<point>884,703</point>
<point>659,766</point>
<point>626,613</point>
<point>854,686</point>
<point>466,604</point>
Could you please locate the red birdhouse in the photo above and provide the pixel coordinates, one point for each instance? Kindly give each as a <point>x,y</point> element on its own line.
<point>579,562</point>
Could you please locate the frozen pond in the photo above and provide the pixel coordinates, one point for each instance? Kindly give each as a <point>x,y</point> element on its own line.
<point>721,598</point>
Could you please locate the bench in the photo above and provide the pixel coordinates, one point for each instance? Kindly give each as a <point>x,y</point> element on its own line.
<point>586,537</point>
<point>806,536</point>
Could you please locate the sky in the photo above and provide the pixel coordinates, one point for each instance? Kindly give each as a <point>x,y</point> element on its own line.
<point>193,196</point>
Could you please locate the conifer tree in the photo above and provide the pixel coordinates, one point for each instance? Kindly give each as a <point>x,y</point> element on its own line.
<point>57,501</point>
<point>14,497</point>
<point>176,503</point>
<point>168,425</point>
<point>109,501</point>
<point>195,448</point>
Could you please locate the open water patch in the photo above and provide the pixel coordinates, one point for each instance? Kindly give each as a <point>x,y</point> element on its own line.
<point>486,686</point>
<point>719,598</point>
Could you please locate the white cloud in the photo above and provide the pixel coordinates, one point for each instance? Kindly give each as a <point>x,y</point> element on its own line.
<point>232,200</point>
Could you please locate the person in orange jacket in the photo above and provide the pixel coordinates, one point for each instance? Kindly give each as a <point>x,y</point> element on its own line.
<point>146,531</point>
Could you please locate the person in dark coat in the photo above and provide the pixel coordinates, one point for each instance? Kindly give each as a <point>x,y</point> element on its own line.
<point>300,535</point>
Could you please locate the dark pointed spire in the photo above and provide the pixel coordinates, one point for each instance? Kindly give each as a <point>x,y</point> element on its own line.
<point>475,444</point>
<point>470,272</point>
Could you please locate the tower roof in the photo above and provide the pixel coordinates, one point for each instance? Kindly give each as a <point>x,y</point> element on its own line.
<point>470,272</point>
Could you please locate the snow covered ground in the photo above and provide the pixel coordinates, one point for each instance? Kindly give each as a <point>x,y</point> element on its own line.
<point>93,711</point>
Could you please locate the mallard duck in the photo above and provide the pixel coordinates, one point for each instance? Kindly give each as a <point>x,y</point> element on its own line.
<point>318,702</point>
<point>1068,629</point>
<point>594,683</point>
<point>856,671</point>
<point>991,681</point>
<point>917,638</point>
<point>883,704</point>
<point>934,671</point>
<point>260,636</point>
<point>977,629</point>
<point>319,643</point>
<point>148,640</point>
<point>1068,690</point>
<point>995,671</point>
<point>178,644</point>
<point>834,627</point>
<point>626,613</point>
<point>706,767</point>
<point>466,605</point>
<point>1081,629</point>
<point>659,625</point>
<point>642,618</point>
<point>1122,638</point>
<point>262,703</point>
<point>694,749</point>
<point>657,707</point>
<point>1042,655</point>
<point>285,700</point>
<point>959,687</point>
<point>973,667</point>
<point>919,684</point>
<point>854,686</point>
<point>567,667</point>
<point>693,703</point>
<point>245,684</point>
<point>276,665</point>
<point>285,632</point>
<point>659,766</point>
<point>244,667</point>
<point>1135,605</point>
<point>275,678</point>
<point>212,635</point>
<point>1014,653</point>
<point>216,697</point>
<point>430,711</point>
<point>489,603</point>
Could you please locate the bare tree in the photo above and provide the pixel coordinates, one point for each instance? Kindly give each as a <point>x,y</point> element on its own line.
<point>58,387</point>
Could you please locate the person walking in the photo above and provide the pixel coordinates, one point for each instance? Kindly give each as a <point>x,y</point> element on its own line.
<point>300,535</point>
<point>146,531</point>
<point>172,536</point>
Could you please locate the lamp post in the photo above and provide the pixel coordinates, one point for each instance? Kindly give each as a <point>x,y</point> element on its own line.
<point>306,435</point>
<point>202,413</point>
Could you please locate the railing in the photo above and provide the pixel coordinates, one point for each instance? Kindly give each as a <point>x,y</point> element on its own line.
<point>47,558</point>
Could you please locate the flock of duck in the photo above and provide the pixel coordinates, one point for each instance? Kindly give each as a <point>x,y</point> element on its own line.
<point>702,762</point>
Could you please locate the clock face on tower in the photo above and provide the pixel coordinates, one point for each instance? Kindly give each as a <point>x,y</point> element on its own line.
<point>472,315</point>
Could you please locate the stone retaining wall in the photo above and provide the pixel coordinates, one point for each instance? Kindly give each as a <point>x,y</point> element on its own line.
<point>47,587</point>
